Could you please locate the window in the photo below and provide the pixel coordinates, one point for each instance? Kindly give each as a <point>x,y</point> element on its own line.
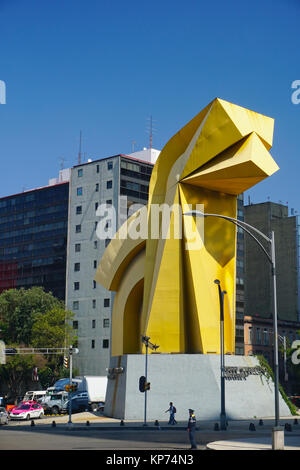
<point>109,184</point>
<point>76,285</point>
<point>80,172</point>
<point>75,325</point>
<point>75,305</point>
<point>105,344</point>
<point>95,263</point>
<point>109,202</point>
<point>77,247</point>
<point>94,284</point>
<point>94,303</point>
<point>266,337</point>
<point>258,336</point>
<point>79,210</point>
<point>93,344</point>
<point>97,187</point>
<point>78,228</point>
<point>109,165</point>
<point>77,267</point>
<point>106,323</point>
<point>93,323</point>
<point>95,244</point>
<point>79,191</point>
<point>106,302</point>
<point>107,241</point>
<point>97,168</point>
<point>96,205</point>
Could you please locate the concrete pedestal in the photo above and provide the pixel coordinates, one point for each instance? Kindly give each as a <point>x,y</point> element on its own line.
<point>278,438</point>
<point>189,381</point>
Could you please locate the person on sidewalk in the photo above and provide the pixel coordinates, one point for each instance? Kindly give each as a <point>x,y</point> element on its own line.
<point>191,428</point>
<point>172,411</point>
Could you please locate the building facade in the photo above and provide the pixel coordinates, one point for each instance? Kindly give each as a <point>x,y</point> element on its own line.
<point>33,239</point>
<point>240,281</point>
<point>116,183</point>
<point>268,217</point>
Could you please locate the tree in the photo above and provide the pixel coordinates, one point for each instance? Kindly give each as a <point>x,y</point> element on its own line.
<point>15,373</point>
<point>33,318</point>
<point>19,309</point>
<point>52,329</point>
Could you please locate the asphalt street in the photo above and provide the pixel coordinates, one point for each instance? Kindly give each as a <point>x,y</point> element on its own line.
<point>94,432</point>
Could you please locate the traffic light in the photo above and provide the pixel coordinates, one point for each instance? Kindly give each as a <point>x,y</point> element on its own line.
<point>142,382</point>
<point>143,385</point>
<point>70,388</point>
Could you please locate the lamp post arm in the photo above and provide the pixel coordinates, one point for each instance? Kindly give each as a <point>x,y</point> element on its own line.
<point>238,223</point>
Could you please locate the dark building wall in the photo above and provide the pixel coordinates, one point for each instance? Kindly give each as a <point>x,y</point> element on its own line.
<point>268,217</point>
<point>33,239</point>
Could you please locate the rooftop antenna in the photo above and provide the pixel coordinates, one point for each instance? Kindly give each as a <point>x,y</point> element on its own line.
<point>151,133</point>
<point>151,129</point>
<point>62,161</point>
<point>79,153</point>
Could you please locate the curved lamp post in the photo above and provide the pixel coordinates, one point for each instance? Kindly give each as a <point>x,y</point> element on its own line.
<point>271,258</point>
<point>223,425</point>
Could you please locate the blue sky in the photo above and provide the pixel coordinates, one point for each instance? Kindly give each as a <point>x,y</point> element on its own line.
<point>104,67</point>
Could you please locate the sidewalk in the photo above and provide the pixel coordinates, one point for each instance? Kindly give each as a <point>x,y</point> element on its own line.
<point>258,443</point>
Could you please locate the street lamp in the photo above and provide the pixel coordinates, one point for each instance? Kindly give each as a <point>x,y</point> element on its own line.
<point>271,258</point>
<point>222,356</point>
<point>148,344</point>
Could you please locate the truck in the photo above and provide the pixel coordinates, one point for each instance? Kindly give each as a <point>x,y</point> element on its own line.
<point>34,395</point>
<point>90,394</point>
<point>95,386</point>
<point>58,402</point>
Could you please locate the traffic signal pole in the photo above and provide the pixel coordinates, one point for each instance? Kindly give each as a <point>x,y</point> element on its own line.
<point>70,389</point>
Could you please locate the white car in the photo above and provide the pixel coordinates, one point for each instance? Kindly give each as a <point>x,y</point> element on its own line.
<point>27,411</point>
<point>4,417</point>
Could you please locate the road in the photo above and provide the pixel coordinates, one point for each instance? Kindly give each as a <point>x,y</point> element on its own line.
<point>107,435</point>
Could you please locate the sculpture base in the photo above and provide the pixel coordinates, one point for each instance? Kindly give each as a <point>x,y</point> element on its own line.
<point>190,381</point>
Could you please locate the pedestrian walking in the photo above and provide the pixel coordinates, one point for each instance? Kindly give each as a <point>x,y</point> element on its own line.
<point>172,410</point>
<point>192,428</point>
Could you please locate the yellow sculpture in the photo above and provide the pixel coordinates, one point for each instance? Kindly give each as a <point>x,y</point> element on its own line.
<point>164,286</point>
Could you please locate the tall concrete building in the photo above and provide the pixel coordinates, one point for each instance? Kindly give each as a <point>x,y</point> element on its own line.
<point>269,217</point>
<point>107,181</point>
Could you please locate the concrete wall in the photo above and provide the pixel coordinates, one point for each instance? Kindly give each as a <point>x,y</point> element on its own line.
<point>189,381</point>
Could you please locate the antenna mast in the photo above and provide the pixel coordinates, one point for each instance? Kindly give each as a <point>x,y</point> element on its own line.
<point>79,153</point>
<point>151,132</point>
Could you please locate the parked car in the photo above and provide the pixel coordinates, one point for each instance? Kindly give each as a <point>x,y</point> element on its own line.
<point>4,416</point>
<point>27,410</point>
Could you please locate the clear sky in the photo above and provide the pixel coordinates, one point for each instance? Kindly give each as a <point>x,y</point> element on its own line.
<point>105,66</point>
